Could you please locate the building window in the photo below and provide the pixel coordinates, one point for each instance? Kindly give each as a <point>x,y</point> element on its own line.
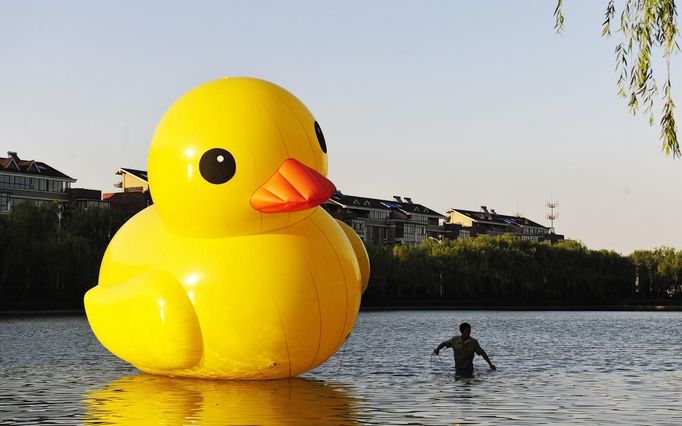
<point>86,204</point>
<point>20,182</point>
<point>358,226</point>
<point>32,184</point>
<point>420,232</point>
<point>399,230</point>
<point>464,233</point>
<point>409,231</point>
<point>377,215</point>
<point>4,202</point>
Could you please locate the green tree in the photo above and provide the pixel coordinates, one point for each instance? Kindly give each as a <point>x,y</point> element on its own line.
<point>669,267</point>
<point>497,270</point>
<point>659,269</point>
<point>643,25</point>
<point>48,262</point>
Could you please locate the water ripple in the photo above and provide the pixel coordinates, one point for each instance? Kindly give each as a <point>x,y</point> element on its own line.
<point>553,367</point>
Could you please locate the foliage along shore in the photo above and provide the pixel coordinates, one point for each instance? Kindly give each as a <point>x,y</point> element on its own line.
<point>508,271</point>
<point>46,263</point>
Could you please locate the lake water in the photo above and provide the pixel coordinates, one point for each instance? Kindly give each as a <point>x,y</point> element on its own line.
<point>553,367</point>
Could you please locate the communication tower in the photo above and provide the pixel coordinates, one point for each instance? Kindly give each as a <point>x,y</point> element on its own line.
<point>551,214</point>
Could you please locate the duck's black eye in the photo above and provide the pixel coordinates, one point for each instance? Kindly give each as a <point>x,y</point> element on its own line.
<point>320,138</point>
<point>217,165</point>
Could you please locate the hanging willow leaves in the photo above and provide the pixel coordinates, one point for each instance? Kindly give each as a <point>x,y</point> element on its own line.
<point>644,25</point>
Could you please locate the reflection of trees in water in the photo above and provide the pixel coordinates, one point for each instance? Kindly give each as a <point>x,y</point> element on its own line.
<point>146,399</point>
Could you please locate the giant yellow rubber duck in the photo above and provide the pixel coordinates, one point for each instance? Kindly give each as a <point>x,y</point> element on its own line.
<point>235,272</point>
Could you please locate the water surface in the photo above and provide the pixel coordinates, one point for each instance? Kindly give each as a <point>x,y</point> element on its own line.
<point>553,367</point>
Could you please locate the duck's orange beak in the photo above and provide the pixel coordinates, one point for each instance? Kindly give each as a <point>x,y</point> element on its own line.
<point>294,187</point>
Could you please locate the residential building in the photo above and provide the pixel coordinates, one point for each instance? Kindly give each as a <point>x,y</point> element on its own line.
<point>135,195</point>
<point>376,221</point>
<point>33,181</point>
<point>132,180</point>
<point>379,221</point>
<point>83,198</point>
<point>462,223</point>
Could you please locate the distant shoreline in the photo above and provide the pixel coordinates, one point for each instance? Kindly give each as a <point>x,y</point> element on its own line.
<point>37,312</point>
<point>530,308</point>
<point>652,308</point>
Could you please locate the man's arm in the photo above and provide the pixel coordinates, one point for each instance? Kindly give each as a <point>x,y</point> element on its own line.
<point>445,344</point>
<point>479,350</point>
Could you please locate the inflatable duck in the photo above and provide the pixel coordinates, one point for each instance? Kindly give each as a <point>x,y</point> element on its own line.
<point>234,272</point>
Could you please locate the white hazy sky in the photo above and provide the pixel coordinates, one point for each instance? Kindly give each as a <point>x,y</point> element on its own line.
<point>454,103</point>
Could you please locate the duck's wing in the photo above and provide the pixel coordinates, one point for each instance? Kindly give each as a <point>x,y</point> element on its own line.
<point>360,253</point>
<point>148,321</point>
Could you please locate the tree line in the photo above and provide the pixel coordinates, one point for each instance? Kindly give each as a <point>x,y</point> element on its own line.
<point>50,256</point>
<point>506,270</point>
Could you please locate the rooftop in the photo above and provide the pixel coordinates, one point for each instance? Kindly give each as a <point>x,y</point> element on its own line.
<point>502,219</point>
<point>375,203</point>
<point>140,174</point>
<point>13,164</point>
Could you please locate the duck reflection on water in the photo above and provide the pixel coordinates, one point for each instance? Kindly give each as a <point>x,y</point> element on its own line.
<point>156,400</point>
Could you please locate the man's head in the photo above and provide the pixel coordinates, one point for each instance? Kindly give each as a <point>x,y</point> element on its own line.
<point>465,329</point>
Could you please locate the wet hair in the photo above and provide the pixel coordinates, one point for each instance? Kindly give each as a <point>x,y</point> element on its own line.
<point>463,326</point>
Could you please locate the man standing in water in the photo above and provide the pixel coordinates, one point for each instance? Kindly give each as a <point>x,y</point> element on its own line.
<point>464,348</point>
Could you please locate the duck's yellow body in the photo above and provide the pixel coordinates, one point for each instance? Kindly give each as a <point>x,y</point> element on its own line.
<point>234,272</point>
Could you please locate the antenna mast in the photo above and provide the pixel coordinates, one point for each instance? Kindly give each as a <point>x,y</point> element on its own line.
<point>552,215</point>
